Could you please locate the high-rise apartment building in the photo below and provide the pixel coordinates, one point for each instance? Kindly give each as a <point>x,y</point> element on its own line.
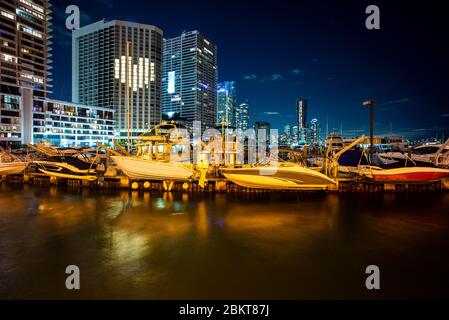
<point>189,78</point>
<point>25,46</point>
<point>24,62</point>
<point>118,64</point>
<point>242,116</point>
<point>226,103</point>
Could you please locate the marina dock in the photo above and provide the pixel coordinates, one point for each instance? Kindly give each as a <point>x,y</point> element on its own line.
<point>219,185</point>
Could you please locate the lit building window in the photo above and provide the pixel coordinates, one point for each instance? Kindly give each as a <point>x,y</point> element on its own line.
<point>153,73</point>
<point>8,15</point>
<point>171,82</point>
<point>146,69</point>
<point>138,74</point>
<point>27,15</point>
<point>8,58</point>
<point>29,30</point>
<point>32,5</point>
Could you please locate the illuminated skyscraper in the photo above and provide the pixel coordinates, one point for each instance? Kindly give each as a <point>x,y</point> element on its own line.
<point>24,64</point>
<point>242,116</point>
<point>301,111</point>
<point>189,78</point>
<point>263,126</point>
<point>25,46</point>
<point>226,103</point>
<point>294,135</point>
<point>314,132</point>
<point>100,71</point>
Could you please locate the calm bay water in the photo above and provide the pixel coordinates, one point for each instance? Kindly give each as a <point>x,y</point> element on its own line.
<point>182,246</point>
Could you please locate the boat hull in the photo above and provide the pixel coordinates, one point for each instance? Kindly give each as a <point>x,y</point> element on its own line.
<point>414,174</point>
<point>141,169</point>
<point>280,178</point>
<point>10,168</point>
<point>64,170</point>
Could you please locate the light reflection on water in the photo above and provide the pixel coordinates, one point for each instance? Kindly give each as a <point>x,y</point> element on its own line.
<point>171,245</point>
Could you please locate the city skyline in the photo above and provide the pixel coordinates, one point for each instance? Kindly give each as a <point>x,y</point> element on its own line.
<point>332,59</point>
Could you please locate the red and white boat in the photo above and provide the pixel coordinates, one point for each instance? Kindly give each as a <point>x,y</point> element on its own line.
<point>409,174</point>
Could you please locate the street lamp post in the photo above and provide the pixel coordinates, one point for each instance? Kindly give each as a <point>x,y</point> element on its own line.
<point>370,103</point>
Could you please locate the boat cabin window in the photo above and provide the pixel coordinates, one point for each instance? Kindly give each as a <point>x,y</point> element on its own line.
<point>179,148</point>
<point>425,150</point>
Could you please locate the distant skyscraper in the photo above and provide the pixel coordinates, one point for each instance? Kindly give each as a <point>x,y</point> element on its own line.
<point>100,72</point>
<point>189,78</point>
<point>314,132</point>
<point>294,134</point>
<point>263,126</point>
<point>242,116</point>
<point>226,103</point>
<point>25,46</point>
<point>301,111</point>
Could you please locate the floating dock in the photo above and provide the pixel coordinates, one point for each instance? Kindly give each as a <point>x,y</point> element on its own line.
<point>221,185</point>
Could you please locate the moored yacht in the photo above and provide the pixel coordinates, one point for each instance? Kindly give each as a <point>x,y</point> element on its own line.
<point>281,176</point>
<point>10,168</point>
<point>60,163</point>
<point>145,169</point>
<point>153,158</point>
<point>407,174</point>
<point>67,167</point>
<point>424,155</point>
<point>10,164</point>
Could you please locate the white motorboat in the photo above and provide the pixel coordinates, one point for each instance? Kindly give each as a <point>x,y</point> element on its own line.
<point>424,155</point>
<point>143,169</point>
<point>67,167</point>
<point>406,174</point>
<point>10,164</point>
<point>153,158</point>
<point>283,177</point>
<point>9,168</point>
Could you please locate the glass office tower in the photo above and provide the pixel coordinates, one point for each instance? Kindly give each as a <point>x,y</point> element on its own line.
<point>226,103</point>
<point>189,79</point>
<point>242,116</point>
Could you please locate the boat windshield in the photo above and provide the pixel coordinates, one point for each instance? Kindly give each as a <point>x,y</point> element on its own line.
<point>425,150</point>
<point>80,164</point>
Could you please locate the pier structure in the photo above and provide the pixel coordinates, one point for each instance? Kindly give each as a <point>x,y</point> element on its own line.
<point>218,184</point>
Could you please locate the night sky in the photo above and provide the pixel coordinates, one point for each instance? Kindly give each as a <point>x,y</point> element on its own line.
<point>280,50</point>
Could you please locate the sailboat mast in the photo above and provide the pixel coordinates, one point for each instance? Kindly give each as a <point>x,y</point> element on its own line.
<point>128,111</point>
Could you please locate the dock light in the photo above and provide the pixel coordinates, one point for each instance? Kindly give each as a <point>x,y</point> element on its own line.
<point>146,185</point>
<point>135,186</point>
<point>185,186</point>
